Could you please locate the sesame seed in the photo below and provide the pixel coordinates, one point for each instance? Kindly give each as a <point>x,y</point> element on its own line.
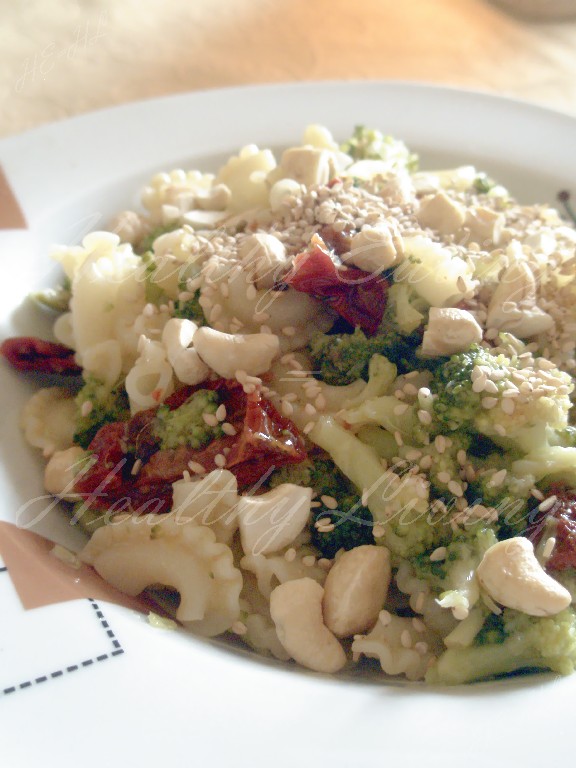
<point>240,376</point>
<point>455,488</point>
<point>399,394</point>
<point>406,639</point>
<point>210,419</point>
<point>384,617</point>
<point>326,528</point>
<point>309,427</point>
<point>309,409</point>
<point>398,438</point>
<point>320,402</point>
<point>460,612</point>
<point>489,402</point>
<point>424,417</point>
<point>491,387</point>
<point>444,477</point>
<point>410,389</point>
<point>221,412</point>
<point>400,409</point>
<point>418,625</point>
<point>413,454</point>
<point>322,521</point>
<point>325,563</point>
<point>479,384</point>
<point>549,547</point>
<point>136,467</point>
<point>224,289</point>
<point>197,468</point>
<point>498,477</point>
<point>419,603</point>
<point>547,503</point>
<point>537,494</point>
<point>461,284</point>
<point>309,561</point>
<point>378,531</point>
<point>500,429</point>
<point>461,457</point>
<point>329,502</point>
<point>290,397</point>
<point>260,317</point>
<point>508,406</point>
<point>86,408</point>
<point>289,330</point>
<point>287,408</point>
<point>239,628</point>
<point>215,312</point>
<point>220,460</point>
<point>426,462</point>
<point>228,429</point>
<point>249,388</point>
<point>440,443</point>
<point>421,647</point>
<point>251,293</point>
<point>438,555</point>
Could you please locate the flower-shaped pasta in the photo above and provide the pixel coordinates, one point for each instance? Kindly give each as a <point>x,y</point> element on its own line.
<point>134,553</point>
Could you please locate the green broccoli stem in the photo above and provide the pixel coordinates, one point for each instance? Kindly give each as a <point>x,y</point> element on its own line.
<point>465,665</point>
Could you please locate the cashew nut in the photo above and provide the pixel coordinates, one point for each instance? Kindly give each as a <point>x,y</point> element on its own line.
<point>296,610</point>
<point>227,353</point>
<point>441,213</point>
<point>177,336</point>
<point>355,590</point>
<point>512,576</point>
<point>513,305</point>
<point>485,225</point>
<point>377,247</point>
<point>265,256</point>
<point>449,330</point>
<point>306,165</point>
<point>273,520</point>
<point>61,470</point>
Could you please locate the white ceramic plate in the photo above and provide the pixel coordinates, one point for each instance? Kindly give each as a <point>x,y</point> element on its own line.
<point>95,685</point>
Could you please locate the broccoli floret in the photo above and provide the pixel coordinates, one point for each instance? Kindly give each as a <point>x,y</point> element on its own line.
<point>482,391</point>
<point>57,298</point>
<point>98,404</point>
<point>524,643</point>
<point>341,359</point>
<point>369,144</point>
<point>452,578</point>
<point>352,521</point>
<point>190,309</point>
<point>185,425</point>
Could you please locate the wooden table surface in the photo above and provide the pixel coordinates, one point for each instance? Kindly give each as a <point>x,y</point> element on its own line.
<point>64,57</point>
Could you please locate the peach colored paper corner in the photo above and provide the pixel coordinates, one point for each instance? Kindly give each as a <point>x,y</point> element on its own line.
<point>11,216</point>
<point>41,579</point>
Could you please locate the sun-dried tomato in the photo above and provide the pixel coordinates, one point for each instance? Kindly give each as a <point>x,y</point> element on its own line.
<point>27,353</point>
<point>357,296</point>
<point>563,511</point>
<point>264,440</point>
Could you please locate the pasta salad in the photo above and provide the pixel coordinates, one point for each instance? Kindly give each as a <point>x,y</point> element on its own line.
<point>322,401</point>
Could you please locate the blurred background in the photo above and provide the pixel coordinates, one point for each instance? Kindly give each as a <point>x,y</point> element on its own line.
<point>64,57</point>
